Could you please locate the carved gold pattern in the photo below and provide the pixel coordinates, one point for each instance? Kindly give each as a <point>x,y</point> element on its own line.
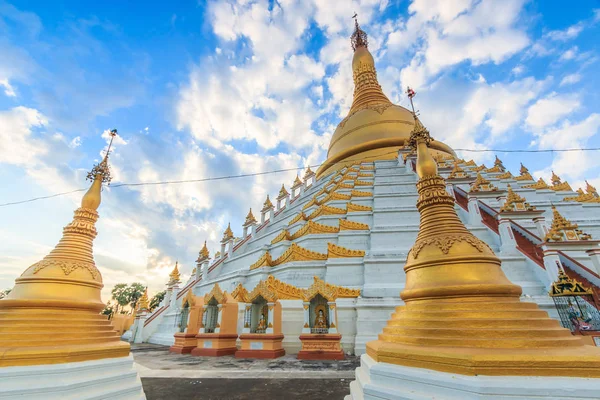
<point>283,235</point>
<point>308,173</point>
<point>540,184</point>
<point>328,291</point>
<point>217,294</point>
<point>313,228</point>
<point>204,254</point>
<point>174,276</point>
<point>335,251</point>
<point>264,261</point>
<point>360,193</point>
<point>458,173</point>
<point>228,234</point>
<point>267,205</point>
<point>67,266</point>
<point>282,193</point>
<point>240,294</point>
<point>352,207</point>
<point>525,175</point>
<point>297,182</point>
<point>482,185</point>
<point>362,183</point>
<point>250,219</point>
<point>326,210</point>
<point>563,230</point>
<point>445,242</point>
<point>514,202</point>
<point>296,253</point>
<point>565,286</point>
<point>346,225</point>
<point>300,216</point>
<point>506,175</point>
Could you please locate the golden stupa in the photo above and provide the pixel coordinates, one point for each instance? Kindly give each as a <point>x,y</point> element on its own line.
<point>374,129</point>
<point>52,315</point>
<point>461,313</point>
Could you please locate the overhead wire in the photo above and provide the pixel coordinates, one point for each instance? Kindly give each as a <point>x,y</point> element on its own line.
<point>226,177</point>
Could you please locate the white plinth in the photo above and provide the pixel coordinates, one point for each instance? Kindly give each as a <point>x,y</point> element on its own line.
<point>112,378</point>
<point>379,381</point>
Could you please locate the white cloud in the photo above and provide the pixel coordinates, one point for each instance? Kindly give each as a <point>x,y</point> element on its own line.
<point>547,111</point>
<point>75,142</point>
<point>17,146</point>
<point>570,33</point>
<point>8,89</point>
<point>570,79</point>
<point>569,54</point>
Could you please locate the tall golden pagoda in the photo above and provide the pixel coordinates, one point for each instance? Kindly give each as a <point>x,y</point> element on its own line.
<point>52,315</point>
<point>374,129</point>
<point>461,313</point>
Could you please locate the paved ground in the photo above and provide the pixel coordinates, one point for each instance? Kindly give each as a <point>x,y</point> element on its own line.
<point>174,376</point>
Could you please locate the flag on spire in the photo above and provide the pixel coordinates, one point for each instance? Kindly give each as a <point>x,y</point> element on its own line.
<point>411,93</point>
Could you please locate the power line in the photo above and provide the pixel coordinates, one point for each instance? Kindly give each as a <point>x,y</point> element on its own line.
<point>219,178</point>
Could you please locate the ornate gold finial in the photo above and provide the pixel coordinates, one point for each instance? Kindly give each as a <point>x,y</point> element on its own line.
<point>359,37</point>
<point>143,303</point>
<point>555,179</point>
<point>64,285</point>
<point>540,184</point>
<point>482,185</point>
<point>514,202</point>
<point>174,276</point>
<point>563,230</point>
<point>525,175</point>
<point>250,219</point>
<point>457,276</point>
<point>282,193</point>
<point>267,205</point>
<point>426,165</point>
<point>308,173</point>
<point>204,254</point>
<point>297,182</point>
<point>498,163</point>
<point>457,172</point>
<point>565,286</point>
<point>228,234</point>
<point>590,189</point>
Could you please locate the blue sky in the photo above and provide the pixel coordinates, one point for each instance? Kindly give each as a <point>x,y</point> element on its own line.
<point>210,88</point>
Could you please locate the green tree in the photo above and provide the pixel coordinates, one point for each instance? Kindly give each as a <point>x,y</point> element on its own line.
<point>158,297</point>
<point>120,295</point>
<point>108,310</point>
<point>4,293</point>
<point>135,291</point>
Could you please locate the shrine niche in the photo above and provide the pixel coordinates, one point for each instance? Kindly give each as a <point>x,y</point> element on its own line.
<point>261,333</point>
<point>320,337</point>
<point>188,321</point>
<point>218,325</point>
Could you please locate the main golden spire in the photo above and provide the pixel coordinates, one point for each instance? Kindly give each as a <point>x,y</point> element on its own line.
<point>375,128</point>
<point>461,313</point>
<point>59,297</point>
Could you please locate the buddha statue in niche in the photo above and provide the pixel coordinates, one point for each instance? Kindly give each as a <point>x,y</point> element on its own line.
<point>262,323</point>
<point>320,320</point>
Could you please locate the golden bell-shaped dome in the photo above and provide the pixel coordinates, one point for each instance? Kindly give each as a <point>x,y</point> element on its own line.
<point>374,128</point>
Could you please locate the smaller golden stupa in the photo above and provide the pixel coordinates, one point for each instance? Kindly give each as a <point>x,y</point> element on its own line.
<point>52,315</point>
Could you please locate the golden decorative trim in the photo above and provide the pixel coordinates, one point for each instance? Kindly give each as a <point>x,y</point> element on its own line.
<point>298,217</point>
<point>313,228</point>
<point>311,203</point>
<point>352,207</point>
<point>267,205</point>
<point>273,289</point>
<point>217,294</point>
<point>506,175</point>
<point>270,325</point>
<point>306,325</point>
<point>482,185</point>
<point>264,261</point>
<point>67,266</point>
<point>346,225</point>
<point>240,294</point>
<point>335,251</point>
<point>296,253</point>
<point>563,230</point>
<point>283,235</point>
<point>328,291</point>
<point>565,286</point>
<point>540,184</point>
<point>514,202</point>
<point>174,276</point>
<point>360,193</point>
<point>445,242</point>
<point>326,210</point>
<point>250,219</point>
<point>367,167</point>
<point>342,185</point>
<point>365,175</point>
<point>362,183</point>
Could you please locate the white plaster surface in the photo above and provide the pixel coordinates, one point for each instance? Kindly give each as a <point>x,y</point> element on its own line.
<point>382,381</point>
<point>108,379</point>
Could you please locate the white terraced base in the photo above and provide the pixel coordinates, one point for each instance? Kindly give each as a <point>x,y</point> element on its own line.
<point>394,224</point>
<point>382,381</point>
<point>108,379</point>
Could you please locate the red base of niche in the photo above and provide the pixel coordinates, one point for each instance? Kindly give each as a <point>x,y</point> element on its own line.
<point>181,349</point>
<point>214,352</point>
<point>321,355</point>
<point>260,353</point>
